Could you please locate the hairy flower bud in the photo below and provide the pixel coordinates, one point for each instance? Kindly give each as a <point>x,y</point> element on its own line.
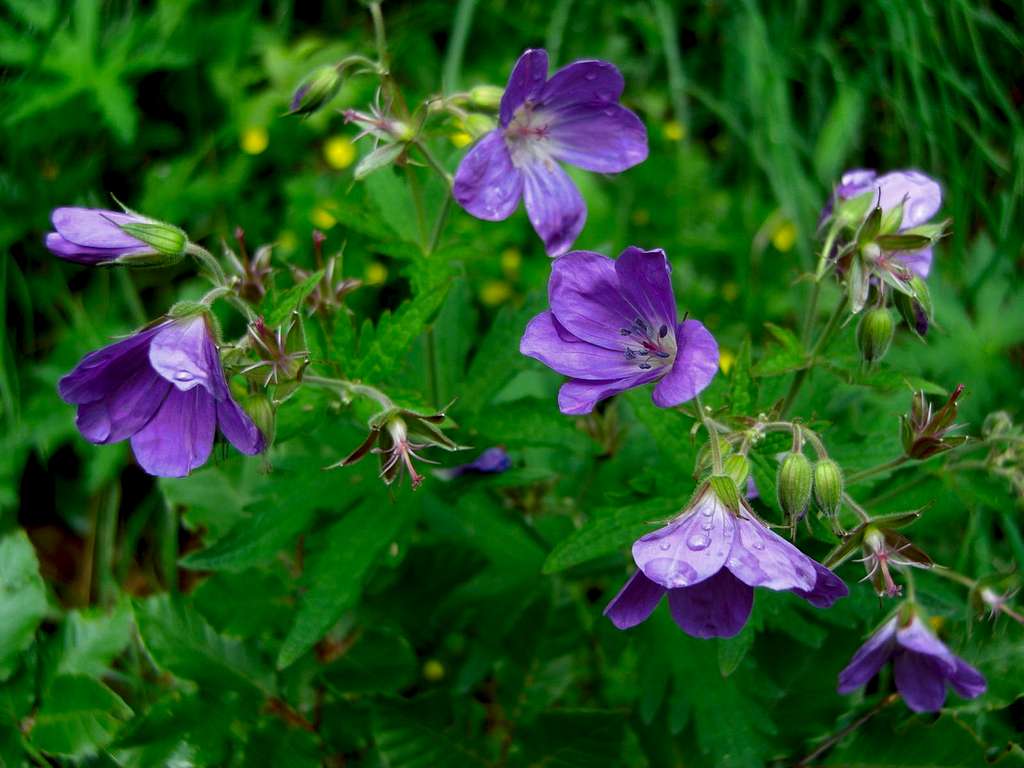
<point>874,334</point>
<point>737,466</point>
<point>916,310</point>
<point>319,87</point>
<point>794,484</point>
<point>486,96</point>
<point>828,487</point>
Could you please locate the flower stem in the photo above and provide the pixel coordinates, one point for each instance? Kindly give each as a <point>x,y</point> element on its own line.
<point>861,512</point>
<point>432,161</point>
<point>819,346</point>
<point>716,453</point>
<point>207,261</point>
<point>349,388</point>
<point>864,474</point>
<point>831,741</point>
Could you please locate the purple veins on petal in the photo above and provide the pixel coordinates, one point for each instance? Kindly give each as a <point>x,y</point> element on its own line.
<point>635,602</point>
<point>716,607</point>
<point>869,658</point>
<point>486,184</point>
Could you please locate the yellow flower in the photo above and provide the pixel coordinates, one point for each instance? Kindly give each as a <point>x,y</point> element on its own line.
<point>461,139</point>
<point>495,292</point>
<point>339,152</point>
<point>730,291</point>
<point>254,139</point>
<point>510,261</point>
<point>674,130</point>
<point>784,236</point>
<point>322,218</point>
<point>375,273</point>
<point>433,670</point>
<point>726,360</point>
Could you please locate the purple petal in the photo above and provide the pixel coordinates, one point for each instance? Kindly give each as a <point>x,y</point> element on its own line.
<point>635,601</point>
<point>856,182</point>
<point>491,461</point>
<point>693,369</point>
<point>102,371</point>
<point>717,607</point>
<point>584,295</point>
<point>918,262</point>
<point>920,681</point>
<point>93,422</point>
<point>869,658</point>
<point>525,82</point>
<point>689,550</point>
<point>645,282</point>
<point>916,637</point>
<point>546,340</point>
<point>180,353</point>
<point>827,589</point>
<point>83,254</point>
<point>486,183</point>
<point>761,558</point>
<point>238,428</point>
<point>179,437</point>
<point>605,138</point>
<point>967,681</point>
<point>94,228</point>
<point>921,196</point>
<point>589,81</point>
<point>554,205</point>
<point>577,396</point>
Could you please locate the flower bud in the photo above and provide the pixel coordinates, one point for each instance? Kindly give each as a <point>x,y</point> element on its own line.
<point>794,485</point>
<point>261,411</point>
<point>166,239</point>
<point>478,125</point>
<point>874,334</point>
<point>319,87</point>
<point>916,310</point>
<point>737,466</point>
<point>828,487</point>
<point>486,96</point>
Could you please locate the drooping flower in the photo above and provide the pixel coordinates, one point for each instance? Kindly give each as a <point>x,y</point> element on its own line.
<point>574,117</point>
<point>95,236</point>
<point>708,560</point>
<point>492,461</point>
<point>922,665</point>
<point>164,389</point>
<point>613,325</point>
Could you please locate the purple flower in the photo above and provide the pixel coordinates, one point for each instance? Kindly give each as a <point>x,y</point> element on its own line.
<point>920,195</point>
<point>492,461</point>
<point>165,389</point>
<point>922,665</point>
<point>612,326</point>
<point>95,236</point>
<point>709,560</point>
<point>572,118</point>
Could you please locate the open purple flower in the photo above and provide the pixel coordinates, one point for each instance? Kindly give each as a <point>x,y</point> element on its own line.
<point>708,560</point>
<point>920,195</point>
<point>574,117</point>
<point>95,236</point>
<point>164,388</point>
<point>922,665</point>
<point>613,325</point>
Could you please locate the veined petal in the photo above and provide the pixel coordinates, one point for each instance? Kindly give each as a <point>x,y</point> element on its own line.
<point>179,353</point>
<point>918,262</point>
<point>486,184</point>
<point>690,549</point>
<point>94,227</point>
<point>645,282</point>
<point>693,369</point>
<point>761,558</point>
<point>525,82</point>
<point>635,601</point>
<point>600,137</point>
<point>921,196</point>
<point>920,681</point>
<point>716,607</point>
<point>102,371</point>
<point>179,437</point>
<point>553,204</point>
<point>967,681</point>
<point>869,658</point>
<point>588,81</point>
<point>579,396</point>
<point>827,589</point>
<point>546,340</point>
<point>84,254</point>
<point>916,637</point>
<point>584,295</point>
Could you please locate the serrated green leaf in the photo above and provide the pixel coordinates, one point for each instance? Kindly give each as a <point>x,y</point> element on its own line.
<point>419,734</point>
<point>572,738</point>
<point>92,638</point>
<point>78,717</point>
<point>22,599</point>
<point>277,308</point>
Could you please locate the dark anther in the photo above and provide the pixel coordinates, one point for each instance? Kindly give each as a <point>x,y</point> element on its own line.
<point>663,332</point>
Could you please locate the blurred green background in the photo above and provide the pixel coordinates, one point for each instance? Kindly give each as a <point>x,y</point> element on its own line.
<point>453,648</point>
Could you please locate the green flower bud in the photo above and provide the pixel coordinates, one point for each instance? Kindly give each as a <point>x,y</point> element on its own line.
<point>794,484</point>
<point>874,334</point>
<point>828,487</point>
<point>167,240</point>
<point>262,413</point>
<point>478,125</point>
<point>737,467</point>
<point>486,96</point>
<point>319,87</point>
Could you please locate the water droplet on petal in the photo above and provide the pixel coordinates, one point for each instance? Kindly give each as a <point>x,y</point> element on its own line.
<point>665,546</point>
<point>707,525</point>
<point>758,545</point>
<point>183,376</point>
<point>707,511</point>
<point>591,76</point>
<point>698,542</point>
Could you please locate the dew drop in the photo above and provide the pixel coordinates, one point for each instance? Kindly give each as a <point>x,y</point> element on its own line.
<point>183,376</point>
<point>707,511</point>
<point>707,525</point>
<point>758,545</point>
<point>665,546</point>
<point>591,76</point>
<point>698,542</point>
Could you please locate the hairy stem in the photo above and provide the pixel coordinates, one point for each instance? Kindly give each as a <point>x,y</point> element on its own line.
<point>819,346</point>
<point>864,474</point>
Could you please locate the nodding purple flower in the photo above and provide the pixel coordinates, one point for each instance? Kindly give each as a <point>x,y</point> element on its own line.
<point>922,665</point>
<point>613,325</point>
<point>164,389</point>
<point>94,236</point>
<point>574,117</point>
<point>920,195</point>
<point>708,560</point>
<point>491,462</point>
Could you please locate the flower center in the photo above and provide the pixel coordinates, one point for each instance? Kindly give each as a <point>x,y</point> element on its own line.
<point>527,135</point>
<point>647,346</point>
